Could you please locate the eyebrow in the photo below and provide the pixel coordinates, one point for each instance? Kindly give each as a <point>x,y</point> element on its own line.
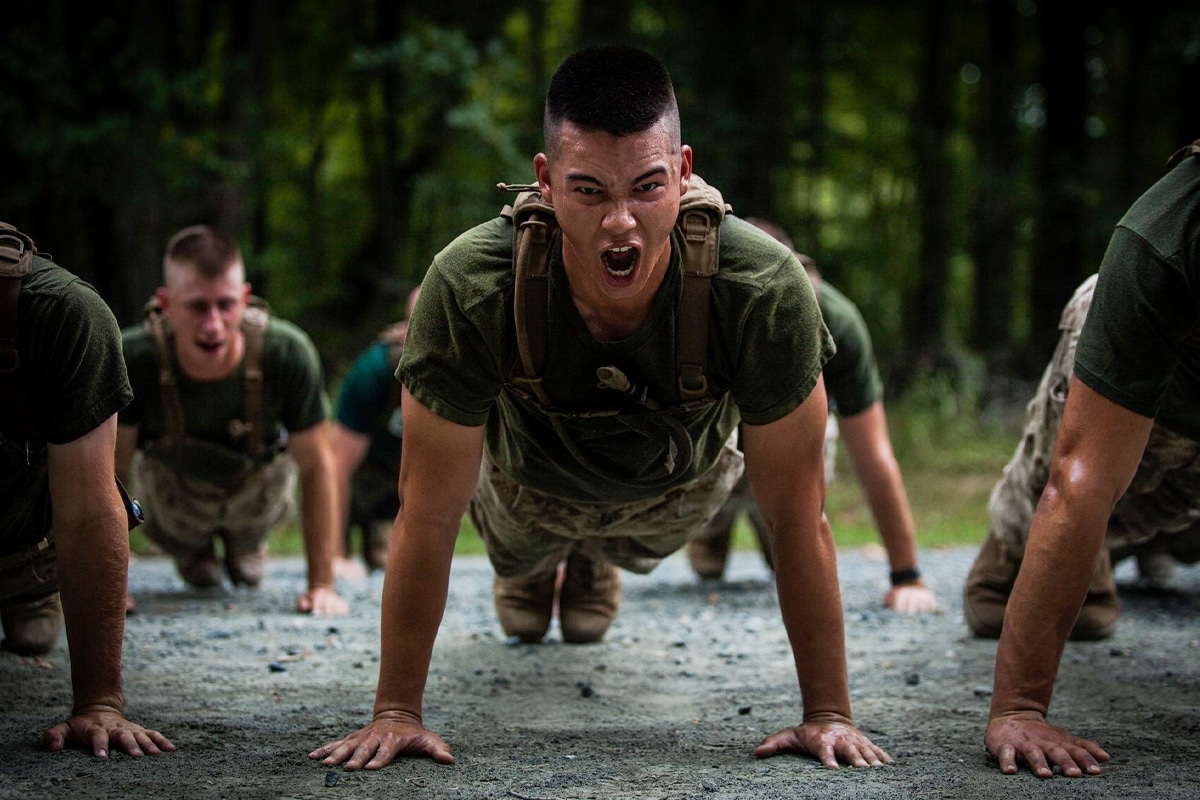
<point>583,176</point>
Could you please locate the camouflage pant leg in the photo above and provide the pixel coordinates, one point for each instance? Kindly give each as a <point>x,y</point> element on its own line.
<point>1016,494</point>
<point>183,515</point>
<point>528,532</point>
<point>1163,499</point>
<point>1161,508</point>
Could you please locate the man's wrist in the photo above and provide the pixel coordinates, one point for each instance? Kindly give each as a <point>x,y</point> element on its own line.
<point>905,577</point>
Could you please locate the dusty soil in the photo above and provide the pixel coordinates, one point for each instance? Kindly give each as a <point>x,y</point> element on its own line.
<point>670,705</point>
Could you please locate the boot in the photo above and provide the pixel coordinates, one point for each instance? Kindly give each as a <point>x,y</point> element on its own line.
<point>245,567</point>
<point>32,628</point>
<point>375,548</point>
<point>708,552</point>
<point>991,579</point>
<point>988,585</point>
<point>524,605</point>
<point>200,568</point>
<point>1098,617</point>
<point>587,602</point>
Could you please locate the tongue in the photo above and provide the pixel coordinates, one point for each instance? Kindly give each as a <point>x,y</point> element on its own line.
<point>620,262</point>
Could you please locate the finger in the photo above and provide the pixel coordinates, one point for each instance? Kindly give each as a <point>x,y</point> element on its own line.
<point>55,738</point>
<point>162,742</point>
<point>148,745</point>
<point>125,741</point>
<point>362,754</point>
<point>304,603</point>
<point>1007,756</point>
<point>852,755</point>
<point>99,742</point>
<point>1035,759</point>
<point>1093,750</point>
<point>770,746</point>
<point>828,756</point>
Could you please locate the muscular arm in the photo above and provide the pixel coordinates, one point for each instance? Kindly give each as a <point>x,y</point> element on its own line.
<point>438,470</point>
<point>92,541</point>
<point>318,517</point>
<point>1099,447</point>
<point>126,445</point>
<point>784,468</point>
<point>349,449</point>
<point>866,438</point>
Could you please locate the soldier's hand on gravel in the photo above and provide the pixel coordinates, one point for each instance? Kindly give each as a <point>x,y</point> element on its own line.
<point>911,598</point>
<point>103,730</point>
<point>322,601</point>
<point>390,734</point>
<point>1029,738</point>
<point>830,739</point>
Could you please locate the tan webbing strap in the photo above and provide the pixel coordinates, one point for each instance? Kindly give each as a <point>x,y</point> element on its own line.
<point>16,261</point>
<point>701,212</point>
<point>533,230</point>
<point>254,326</point>
<point>159,328</point>
<point>1192,149</point>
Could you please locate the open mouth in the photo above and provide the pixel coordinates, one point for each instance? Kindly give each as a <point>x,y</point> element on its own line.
<point>209,347</point>
<point>620,261</point>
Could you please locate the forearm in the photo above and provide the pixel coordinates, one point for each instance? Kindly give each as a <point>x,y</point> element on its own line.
<point>810,603</point>
<point>93,561</point>
<point>1064,542</point>
<point>319,521</point>
<point>414,599</point>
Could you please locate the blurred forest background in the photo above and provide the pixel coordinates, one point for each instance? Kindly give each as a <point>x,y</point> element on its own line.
<point>956,168</point>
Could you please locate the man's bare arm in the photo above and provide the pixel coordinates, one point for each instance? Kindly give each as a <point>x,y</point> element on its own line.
<point>438,471</point>
<point>91,536</point>
<point>1099,447</point>
<point>318,518</point>
<point>349,450</point>
<point>784,465</point>
<point>866,438</point>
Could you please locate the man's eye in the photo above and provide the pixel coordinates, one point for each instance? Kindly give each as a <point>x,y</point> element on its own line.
<point>226,305</point>
<point>590,191</point>
<point>649,186</point>
<point>198,308</point>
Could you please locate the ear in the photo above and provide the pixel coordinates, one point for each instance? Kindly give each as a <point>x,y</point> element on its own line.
<point>685,168</point>
<point>164,299</point>
<point>541,168</point>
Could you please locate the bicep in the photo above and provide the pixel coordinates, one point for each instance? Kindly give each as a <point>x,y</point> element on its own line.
<point>1100,444</point>
<point>439,464</point>
<point>81,476</point>
<point>785,458</point>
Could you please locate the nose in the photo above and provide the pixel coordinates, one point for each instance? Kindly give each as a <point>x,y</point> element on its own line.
<point>619,217</point>
<point>212,316</point>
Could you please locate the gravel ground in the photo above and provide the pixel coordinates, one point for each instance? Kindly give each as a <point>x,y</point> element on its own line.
<point>670,705</point>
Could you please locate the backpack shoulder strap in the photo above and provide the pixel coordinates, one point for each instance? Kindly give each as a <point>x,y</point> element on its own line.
<point>16,261</point>
<point>254,328</point>
<point>1179,155</point>
<point>159,328</point>
<point>534,228</point>
<point>701,211</point>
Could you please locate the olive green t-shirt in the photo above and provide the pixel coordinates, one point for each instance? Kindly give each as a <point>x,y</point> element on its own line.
<point>766,347</point>
<point>1140,345</point>
<point>852,377</point>
<point>294,399</point>
<point>70,350</point>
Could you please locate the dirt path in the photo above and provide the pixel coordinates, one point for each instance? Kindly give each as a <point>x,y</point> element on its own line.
<point>669,706</point>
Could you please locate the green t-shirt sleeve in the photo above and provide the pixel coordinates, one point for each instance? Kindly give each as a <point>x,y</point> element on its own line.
<point>454,350</point>
<point>852,375</point>
<point>366,390</point>
<point>75,355</point>
<point>299,379</point>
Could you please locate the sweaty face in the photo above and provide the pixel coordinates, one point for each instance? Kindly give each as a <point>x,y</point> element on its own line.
<point>206,317</point>
<point>616,199</point>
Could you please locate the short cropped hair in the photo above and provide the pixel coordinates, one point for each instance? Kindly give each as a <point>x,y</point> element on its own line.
<point>208,250</point>
<point>617,89</point>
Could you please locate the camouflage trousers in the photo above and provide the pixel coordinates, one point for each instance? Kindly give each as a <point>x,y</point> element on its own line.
<point>183,515</point>
<point>528,532</point>
<point>1161,508</point>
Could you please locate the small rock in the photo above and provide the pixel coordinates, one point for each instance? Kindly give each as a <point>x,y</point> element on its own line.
<point>332,778</point>
<point>744,710</point>
<point>912,678</point>
<point>275,666</point>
